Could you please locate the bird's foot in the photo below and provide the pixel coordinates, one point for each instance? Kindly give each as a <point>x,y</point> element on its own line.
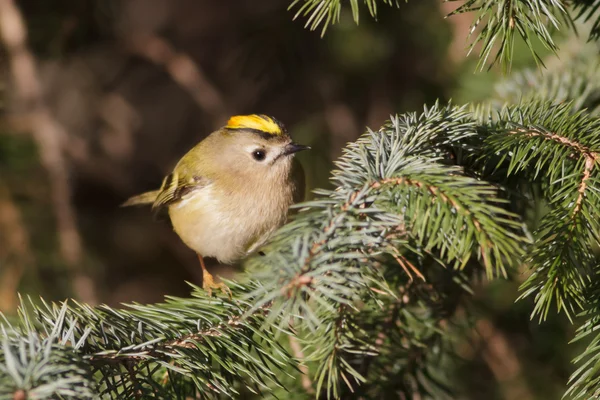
<point>208,284</point>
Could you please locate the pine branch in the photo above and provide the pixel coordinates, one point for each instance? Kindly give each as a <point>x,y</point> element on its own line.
<point>574,80</point>
<point>327,12</point>
<point>368,275</point>
<point>498,22</point>
<point>397,344</point>
<point>200,345</point>
<point>396,200</point>
<point>588,11</point>
<point>550,144</point>
<point>35,367</point>
<point>584,383</point>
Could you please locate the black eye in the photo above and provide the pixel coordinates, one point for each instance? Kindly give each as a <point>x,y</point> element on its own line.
<point>259,155</point>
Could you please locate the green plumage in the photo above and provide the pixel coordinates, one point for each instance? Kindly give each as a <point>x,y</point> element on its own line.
<point>173,188</point>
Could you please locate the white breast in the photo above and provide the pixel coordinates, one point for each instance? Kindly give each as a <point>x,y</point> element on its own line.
<point>227,229</point>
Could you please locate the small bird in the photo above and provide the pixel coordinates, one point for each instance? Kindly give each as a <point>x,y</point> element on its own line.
<point>230,192</point>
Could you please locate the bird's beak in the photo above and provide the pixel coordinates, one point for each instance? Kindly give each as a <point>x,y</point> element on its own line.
<point>294,148</point>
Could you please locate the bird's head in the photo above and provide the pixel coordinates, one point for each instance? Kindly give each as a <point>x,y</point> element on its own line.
<point>258,145</point>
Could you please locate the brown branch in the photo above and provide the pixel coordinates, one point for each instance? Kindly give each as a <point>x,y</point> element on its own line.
<point>342,126</point>
<point>302,280</point>
<point>430,188</point>
<point>405,264</point>
<point>591,158</point>
<point>182,70</point>
<point>299,354</point>
<point>389,324</point>
<point>137,391</point>
<point>502,361</point>
<point>20,395</point>
<point>578,147</point>
<point>48,134</point>
<point>15,250</point>
<point>298,281</point>
<point>587,172</point>
<point>339,117</point>
<point>435,191</point>
<point>185,341</point>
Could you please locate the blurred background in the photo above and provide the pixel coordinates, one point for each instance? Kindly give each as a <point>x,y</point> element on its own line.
<point>100,98</point>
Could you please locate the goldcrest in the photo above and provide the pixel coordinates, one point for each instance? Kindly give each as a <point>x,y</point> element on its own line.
<point>230,192</point>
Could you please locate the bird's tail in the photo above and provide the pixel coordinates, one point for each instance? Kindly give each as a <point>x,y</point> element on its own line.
<point>142,199</point>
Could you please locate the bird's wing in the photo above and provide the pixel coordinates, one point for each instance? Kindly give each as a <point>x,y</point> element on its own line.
<point>141,199</point>
<point>174,187</point>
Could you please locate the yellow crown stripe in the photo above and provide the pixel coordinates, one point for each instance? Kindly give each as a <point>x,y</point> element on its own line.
<point>257,122</point>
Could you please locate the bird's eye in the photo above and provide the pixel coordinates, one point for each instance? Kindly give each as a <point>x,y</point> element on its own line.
<point>259,155</point>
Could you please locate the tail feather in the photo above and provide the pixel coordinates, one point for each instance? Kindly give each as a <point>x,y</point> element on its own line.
<point>142,199</point>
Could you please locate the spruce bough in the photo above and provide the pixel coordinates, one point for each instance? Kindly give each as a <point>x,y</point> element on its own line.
<point>366,277</point>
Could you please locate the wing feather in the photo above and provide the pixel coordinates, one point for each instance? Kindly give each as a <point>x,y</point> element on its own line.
<point>174,187</point>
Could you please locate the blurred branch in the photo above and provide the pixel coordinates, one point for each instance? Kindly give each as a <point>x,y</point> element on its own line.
<point>49,136</point>
<point>15,252</point>
<point>339,118</point>
<point>182,70</point>
<point>502,361</point>
<point>461,25</point>
<point>342,125</point>
<point>121,120</point>
<point>299,354</point>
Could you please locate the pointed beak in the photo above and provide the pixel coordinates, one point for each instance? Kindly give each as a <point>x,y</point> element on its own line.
<point>294,148</point>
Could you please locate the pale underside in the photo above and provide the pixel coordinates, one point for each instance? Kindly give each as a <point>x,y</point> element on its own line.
<point>234,225</point>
